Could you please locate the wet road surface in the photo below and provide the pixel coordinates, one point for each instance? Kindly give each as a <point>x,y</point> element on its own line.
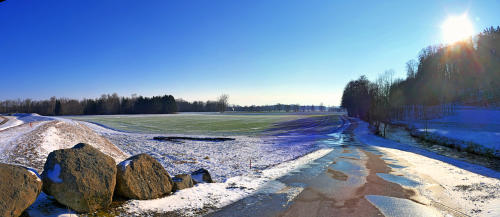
<point>352,180</point>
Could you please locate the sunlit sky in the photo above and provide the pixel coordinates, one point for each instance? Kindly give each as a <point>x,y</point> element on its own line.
<point>258,52</point>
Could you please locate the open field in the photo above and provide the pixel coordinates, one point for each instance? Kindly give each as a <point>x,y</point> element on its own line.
<point>195,123</point>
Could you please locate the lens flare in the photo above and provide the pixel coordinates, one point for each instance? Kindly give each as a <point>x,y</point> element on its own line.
<point>456,28</point>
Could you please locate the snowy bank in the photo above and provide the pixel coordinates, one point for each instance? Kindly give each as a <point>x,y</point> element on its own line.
<point>29,145</point>
<point>470,128</point>
<point>470,188</point>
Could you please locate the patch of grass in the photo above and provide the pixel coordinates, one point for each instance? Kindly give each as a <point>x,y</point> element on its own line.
<point>194,124</point>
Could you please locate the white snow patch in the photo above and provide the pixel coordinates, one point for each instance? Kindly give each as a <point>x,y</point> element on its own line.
<point>36,175</point>
<point>51,141</point>
<point>197,177</point>
<point>397,207</point>
<point>221,194</point>
<point>467,124</point>
<point>124,164</point>
<point>54,173</point>
<point>12,122</point>
<point>45,206</point>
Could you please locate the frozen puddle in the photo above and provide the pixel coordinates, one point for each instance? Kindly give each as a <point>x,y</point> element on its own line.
<point>401,180</point>
<point>397,207</point>
<point>207,196</point>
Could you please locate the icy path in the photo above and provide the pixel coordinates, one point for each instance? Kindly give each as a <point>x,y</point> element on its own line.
<point>473,189</point>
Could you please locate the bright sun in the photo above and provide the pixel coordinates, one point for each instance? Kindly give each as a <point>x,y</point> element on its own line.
<point>456,28</point>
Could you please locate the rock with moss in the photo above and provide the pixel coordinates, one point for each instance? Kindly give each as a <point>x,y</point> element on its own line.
<point>19,188</point>
<point>82,178</point>
<point>142,177</point>
<point>182,181</point>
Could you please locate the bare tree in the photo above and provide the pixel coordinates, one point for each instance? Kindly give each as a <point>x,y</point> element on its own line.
<point>222,102</point>
<point>411,68</point>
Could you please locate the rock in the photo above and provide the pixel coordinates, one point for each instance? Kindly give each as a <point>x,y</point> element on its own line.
<point>182,181</point>
<point>201,176</point>
<point>142,177</point>
<point>82,178</point>
<point>19,188</point>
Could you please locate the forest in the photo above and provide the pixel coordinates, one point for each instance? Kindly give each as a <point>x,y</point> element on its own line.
<point>444,76</point>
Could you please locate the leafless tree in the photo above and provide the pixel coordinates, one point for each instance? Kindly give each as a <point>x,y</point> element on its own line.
<point>222,102</point>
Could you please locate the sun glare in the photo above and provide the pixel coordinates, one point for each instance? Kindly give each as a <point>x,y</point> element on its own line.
<point>456,28</point>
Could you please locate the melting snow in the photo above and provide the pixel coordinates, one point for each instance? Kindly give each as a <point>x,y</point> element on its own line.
<point>468,187</point>
<point>397,207</point>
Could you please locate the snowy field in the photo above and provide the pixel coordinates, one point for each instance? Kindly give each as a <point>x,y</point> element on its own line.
<point>468,124</point>
<point>29,143</point>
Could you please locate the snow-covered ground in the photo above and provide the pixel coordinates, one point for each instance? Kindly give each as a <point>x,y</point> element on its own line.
<point>467,125</point>
<point>11,122</point>
<point>228,162</point>
<point>30,143</point>
<point>223,159</point>
<point>466,187</point>
<point>208,196</point>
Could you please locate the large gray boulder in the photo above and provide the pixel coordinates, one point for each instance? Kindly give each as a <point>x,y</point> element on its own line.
<point>182,181</point>
<point>82,178</point>
<point>142,177</point>
<point>19,188</point>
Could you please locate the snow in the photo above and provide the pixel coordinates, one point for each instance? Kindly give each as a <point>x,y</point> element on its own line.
<point>46,206</point>
<point>124,164</point>
<point>467,125</point>
<point>30,145</point>
<point>227,162</point>
<point>198,178</point>
<point>34,172</point>
<point>467,187</point>
<point>54,173</point>
<point>11,122</point>
<point>216,195</point>
<point>397,207</point>
<point>222,159</point>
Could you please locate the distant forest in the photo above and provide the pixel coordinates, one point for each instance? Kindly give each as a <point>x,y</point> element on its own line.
<point>105,105</point>
<point>109,104</point>
<point>463,73</point>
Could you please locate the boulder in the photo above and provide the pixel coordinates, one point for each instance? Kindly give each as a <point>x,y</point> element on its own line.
<point>142,177</point>
<point>19,188</point>
<point>201,176</point>
<point>82,178</point>
<point>182,181</point>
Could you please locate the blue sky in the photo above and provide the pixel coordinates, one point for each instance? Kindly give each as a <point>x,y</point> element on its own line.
<point>258,52</point>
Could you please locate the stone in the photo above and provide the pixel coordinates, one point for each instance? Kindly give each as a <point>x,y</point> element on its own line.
<point>82,178</point>
<point>19,188</point>
<point>182,181</point>
<point>142,177</point>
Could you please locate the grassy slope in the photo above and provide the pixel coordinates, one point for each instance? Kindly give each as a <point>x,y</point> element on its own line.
<point>208,124</point>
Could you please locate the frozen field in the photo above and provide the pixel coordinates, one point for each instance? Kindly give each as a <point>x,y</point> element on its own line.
<point>193,123</point>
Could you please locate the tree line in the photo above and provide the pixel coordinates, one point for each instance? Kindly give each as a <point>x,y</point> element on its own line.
<point>110,104</point>
<point>107,104</point>
<point>466,73</point>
